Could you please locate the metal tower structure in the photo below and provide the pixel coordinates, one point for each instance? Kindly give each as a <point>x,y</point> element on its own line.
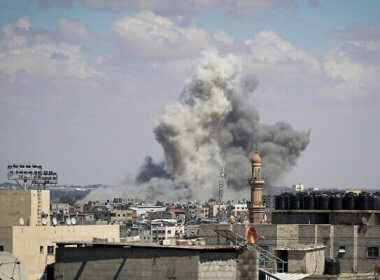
<point>31,175</point>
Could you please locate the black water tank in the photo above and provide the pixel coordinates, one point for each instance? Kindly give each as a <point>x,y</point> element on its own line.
<point>294,202</point>
<point>280,202</point>
<point>323,202</point>
<point>332,267</point>
<point>310,202</point>
<point>302,200</point>
<point>287,200</point>
<point>363,202</point>
<point>349,202</point>
<point>375,202</point>
<point>336,202</point>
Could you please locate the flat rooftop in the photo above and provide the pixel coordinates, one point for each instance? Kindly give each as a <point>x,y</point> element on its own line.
<point>327,211</point>
<point>146,245</point>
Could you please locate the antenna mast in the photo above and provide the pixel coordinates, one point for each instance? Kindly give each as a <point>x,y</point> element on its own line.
<point>222,181</point>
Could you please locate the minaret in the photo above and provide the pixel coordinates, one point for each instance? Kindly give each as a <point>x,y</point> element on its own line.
<point>256,182</point>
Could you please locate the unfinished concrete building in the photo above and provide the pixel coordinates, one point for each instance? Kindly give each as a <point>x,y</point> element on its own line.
<point>94,261</point>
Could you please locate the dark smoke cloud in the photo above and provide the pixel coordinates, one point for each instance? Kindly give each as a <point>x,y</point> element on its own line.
<point>150,170</point>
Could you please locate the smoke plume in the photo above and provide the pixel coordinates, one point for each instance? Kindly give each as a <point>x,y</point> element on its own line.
<point>213,125</point>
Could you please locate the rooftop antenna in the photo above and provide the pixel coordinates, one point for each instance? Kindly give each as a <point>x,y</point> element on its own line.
<point>29,175</point>
<point>222,181</point>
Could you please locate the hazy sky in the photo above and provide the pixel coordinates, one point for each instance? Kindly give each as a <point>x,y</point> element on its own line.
<point>82,83</point>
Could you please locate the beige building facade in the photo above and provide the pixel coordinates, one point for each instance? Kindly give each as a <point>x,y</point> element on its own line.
<point>34,244</point>
<point>30,205</point>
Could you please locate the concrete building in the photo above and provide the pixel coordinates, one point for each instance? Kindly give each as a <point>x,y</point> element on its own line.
<point>132,261</point>
<point>239,209</point>
<point>166,229</point>
<point>122,216</point>
<point>30,206</point>
<point>215,209</point>
<point>141,210</point>
<point>34,242</point>
<point>63,208</point>
<point>356,247</point>
<point>298,187</point>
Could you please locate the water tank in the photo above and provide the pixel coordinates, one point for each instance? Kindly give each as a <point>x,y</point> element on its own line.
<point>302,200</point>
<point>310,202</point>
<point>280,202</point>
<point>332,267</point>
<point>287,200</point>
<point>294,202</point>
<point>349,202</point>
<point>375,202</point>
<point>323,202</point>
<point>363,202</point>
<point>336,202</point>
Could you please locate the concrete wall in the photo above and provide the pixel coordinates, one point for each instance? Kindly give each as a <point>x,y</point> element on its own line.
<point>22,203</point>
<point>154,263</point>
<point>6,238</point>
<point>356,240</point>
<point>309,262</point>
<point>24,242</point>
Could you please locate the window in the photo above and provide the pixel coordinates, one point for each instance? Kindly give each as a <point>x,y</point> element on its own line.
<point>373,252</point>
<point>50,250</point>
<point>1,248</point>
<point>41,249</point>
<point>169,231</point>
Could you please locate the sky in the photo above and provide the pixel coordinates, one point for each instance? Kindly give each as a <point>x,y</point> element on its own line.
<point>83,83</point>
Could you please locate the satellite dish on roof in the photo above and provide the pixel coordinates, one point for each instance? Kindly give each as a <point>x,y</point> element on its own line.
<point>73,221</point>
<point>54,220</point>
<point>11,268</point>
<point>44,221</point>
<point>21,221</point>
<point>232,220</point>
<point>68,221</point>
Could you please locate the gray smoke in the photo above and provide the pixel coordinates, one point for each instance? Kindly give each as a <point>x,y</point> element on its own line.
<point>214,125</point>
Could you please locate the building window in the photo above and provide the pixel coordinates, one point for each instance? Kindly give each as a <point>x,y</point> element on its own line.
<point>41,249</point>
<point>50,250</point>
<point>373,252</point>
<point>1,248</point>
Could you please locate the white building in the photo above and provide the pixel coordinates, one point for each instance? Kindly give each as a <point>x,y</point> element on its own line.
<point>143,209</point>
<point>240,209</point>
<point>298,187</point>
<point>166,229</point>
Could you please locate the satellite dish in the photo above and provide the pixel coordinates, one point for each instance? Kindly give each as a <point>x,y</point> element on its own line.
<point>73,221</point>
<point>11,268</point>
<point>54,220</point>
<point>68,221</point>
<point>21,221</point>
<point>232,220</point>
<point>44,221</point>
<point>252,235</point>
